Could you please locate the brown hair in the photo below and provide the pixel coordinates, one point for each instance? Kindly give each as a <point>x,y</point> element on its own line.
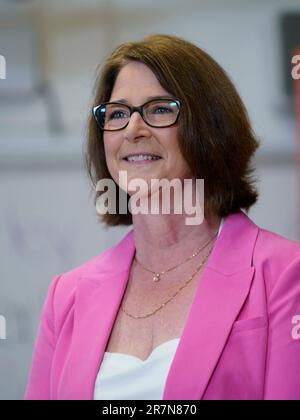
<point>215,134</point>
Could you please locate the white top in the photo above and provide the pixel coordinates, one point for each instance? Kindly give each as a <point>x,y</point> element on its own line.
<point>125,377</point>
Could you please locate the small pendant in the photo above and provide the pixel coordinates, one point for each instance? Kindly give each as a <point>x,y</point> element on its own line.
<point>156,277</point>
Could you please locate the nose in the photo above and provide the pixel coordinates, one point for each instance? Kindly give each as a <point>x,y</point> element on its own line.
<point>136,128</point>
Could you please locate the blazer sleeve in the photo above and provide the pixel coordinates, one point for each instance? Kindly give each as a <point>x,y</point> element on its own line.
<point>282,381</point>
<point>39,382</point>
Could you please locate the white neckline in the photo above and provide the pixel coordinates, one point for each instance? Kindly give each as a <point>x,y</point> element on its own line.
<point>158,350</point>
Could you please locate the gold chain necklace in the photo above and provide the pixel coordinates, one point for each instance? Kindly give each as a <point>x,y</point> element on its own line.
<point>157,276</point>
<point>170,298</point>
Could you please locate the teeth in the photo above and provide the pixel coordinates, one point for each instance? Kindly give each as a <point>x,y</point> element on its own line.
<point>141,158</point>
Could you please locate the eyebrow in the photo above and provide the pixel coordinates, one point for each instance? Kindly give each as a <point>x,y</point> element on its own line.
<point>124,101</point>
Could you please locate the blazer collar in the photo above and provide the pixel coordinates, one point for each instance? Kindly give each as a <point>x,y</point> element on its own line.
<point>237,237</point>
<point>222,291</point>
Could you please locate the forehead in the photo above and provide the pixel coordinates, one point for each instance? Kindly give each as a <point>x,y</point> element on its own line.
<point>136,82</point>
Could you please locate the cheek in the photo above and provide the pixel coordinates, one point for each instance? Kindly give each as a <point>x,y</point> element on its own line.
<point>171,143</point>
<point>180,165</point>
<point>107,147</point>
<point>111,149</point>
<point>175,156</point>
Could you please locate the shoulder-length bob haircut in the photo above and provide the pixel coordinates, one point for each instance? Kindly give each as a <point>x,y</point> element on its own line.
<point>215,134</point>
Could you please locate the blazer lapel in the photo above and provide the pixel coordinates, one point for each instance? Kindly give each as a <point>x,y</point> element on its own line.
<point>213,312</point>
<point>222,291</point>
<point>97,301</point>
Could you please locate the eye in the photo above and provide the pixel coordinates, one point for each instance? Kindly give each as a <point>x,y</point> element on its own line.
<point>162,107</point>
<point>117,114</point>
<point>161,110</point>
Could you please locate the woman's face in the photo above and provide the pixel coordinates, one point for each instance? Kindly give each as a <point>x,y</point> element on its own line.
<point>136,84</point>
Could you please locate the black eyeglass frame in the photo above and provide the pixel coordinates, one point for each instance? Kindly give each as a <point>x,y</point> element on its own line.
<point>139,109</point>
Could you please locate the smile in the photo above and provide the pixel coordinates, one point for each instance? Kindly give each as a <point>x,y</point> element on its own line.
<point>142,158</point>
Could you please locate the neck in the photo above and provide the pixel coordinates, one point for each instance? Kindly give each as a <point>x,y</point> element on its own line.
<point>162,240</point>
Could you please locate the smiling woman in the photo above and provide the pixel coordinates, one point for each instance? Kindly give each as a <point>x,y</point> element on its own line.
<point>141,140</point>
<point>174,311</point>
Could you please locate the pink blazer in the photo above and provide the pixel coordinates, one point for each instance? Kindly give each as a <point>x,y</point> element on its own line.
<point>241,339</point>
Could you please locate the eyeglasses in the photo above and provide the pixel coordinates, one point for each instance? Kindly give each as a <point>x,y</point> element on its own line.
<point>157,113</point>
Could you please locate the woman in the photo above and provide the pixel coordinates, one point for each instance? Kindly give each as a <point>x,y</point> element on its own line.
<point>174,311</point>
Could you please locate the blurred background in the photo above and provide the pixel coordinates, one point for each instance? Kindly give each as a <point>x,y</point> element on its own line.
<point>50,53</point>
